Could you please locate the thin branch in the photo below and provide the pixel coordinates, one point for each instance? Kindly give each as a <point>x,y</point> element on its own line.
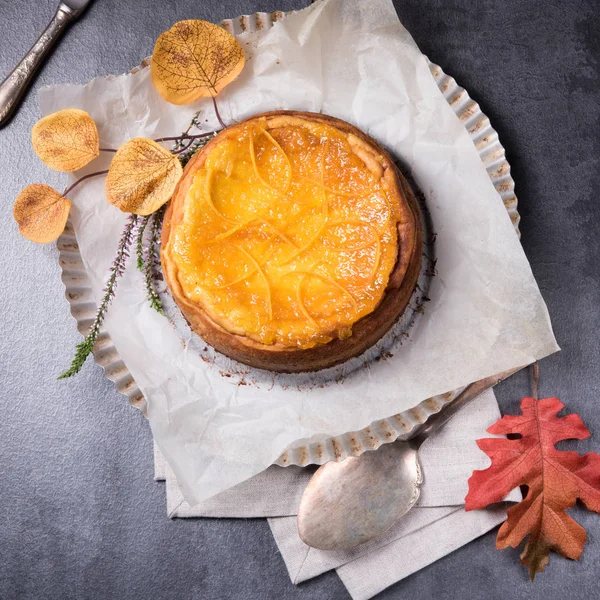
<point>186,153</point>
<point>184,148</point>
<point>217,112</point>
<point>73,185</point>
<point>107,150</point>
<point>185,136</point>
<point>536,379</point>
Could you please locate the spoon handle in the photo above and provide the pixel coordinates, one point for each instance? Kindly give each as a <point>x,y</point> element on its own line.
<point>472,391</point>
<point>15,85</point>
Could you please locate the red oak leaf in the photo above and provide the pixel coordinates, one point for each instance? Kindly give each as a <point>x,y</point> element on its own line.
<point>554,480</point>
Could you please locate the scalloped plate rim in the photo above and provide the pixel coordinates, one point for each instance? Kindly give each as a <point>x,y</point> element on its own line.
<point>303,452</point>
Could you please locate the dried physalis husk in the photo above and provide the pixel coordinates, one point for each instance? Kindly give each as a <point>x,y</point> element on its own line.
<point>66,140</point>
<point>142,176</point>
<point>41,213</point>
<point>195,59</point>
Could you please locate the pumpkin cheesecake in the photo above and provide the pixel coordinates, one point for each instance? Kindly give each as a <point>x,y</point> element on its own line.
<point>292,243</point>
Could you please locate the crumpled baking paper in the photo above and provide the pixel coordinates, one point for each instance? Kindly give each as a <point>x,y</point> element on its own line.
<point>355,61</point>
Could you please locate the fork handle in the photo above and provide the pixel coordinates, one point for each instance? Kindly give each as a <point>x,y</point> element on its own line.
<point>15,85</point>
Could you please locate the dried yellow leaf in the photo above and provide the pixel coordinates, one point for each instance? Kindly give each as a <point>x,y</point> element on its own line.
<point>195,59</point>
<point>142,176</point>
<point>41,213</point>
<point>66,140</point>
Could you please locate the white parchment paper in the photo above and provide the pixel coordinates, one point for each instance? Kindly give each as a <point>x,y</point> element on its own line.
<point>355,61</point>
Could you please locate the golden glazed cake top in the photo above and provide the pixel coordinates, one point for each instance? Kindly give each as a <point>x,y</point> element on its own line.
<point>288,236</point>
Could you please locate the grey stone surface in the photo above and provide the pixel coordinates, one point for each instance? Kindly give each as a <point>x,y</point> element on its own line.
<point>80,515</point>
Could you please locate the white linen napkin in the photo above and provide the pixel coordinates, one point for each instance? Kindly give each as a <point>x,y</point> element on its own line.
<point>435,527</point>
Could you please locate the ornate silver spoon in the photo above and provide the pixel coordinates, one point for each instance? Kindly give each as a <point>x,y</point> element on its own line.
<point>15,85</point>
<point>351,502</point>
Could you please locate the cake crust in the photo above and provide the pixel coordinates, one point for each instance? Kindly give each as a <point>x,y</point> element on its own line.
<point>367,330</point>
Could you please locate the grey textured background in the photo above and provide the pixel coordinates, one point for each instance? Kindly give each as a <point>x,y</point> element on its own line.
<point>80,515</point>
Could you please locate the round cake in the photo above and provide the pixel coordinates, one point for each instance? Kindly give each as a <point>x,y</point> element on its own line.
<point>292,243</point>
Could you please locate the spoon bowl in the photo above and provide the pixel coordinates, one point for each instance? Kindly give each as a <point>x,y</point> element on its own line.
<point>350,502</point>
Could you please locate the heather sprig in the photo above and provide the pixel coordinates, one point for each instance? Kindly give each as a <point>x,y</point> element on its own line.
<point>195,122</point>
<point>139,244</point>
<point>147,256</point>
<point>151,261</point>
<point>84,348</point>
